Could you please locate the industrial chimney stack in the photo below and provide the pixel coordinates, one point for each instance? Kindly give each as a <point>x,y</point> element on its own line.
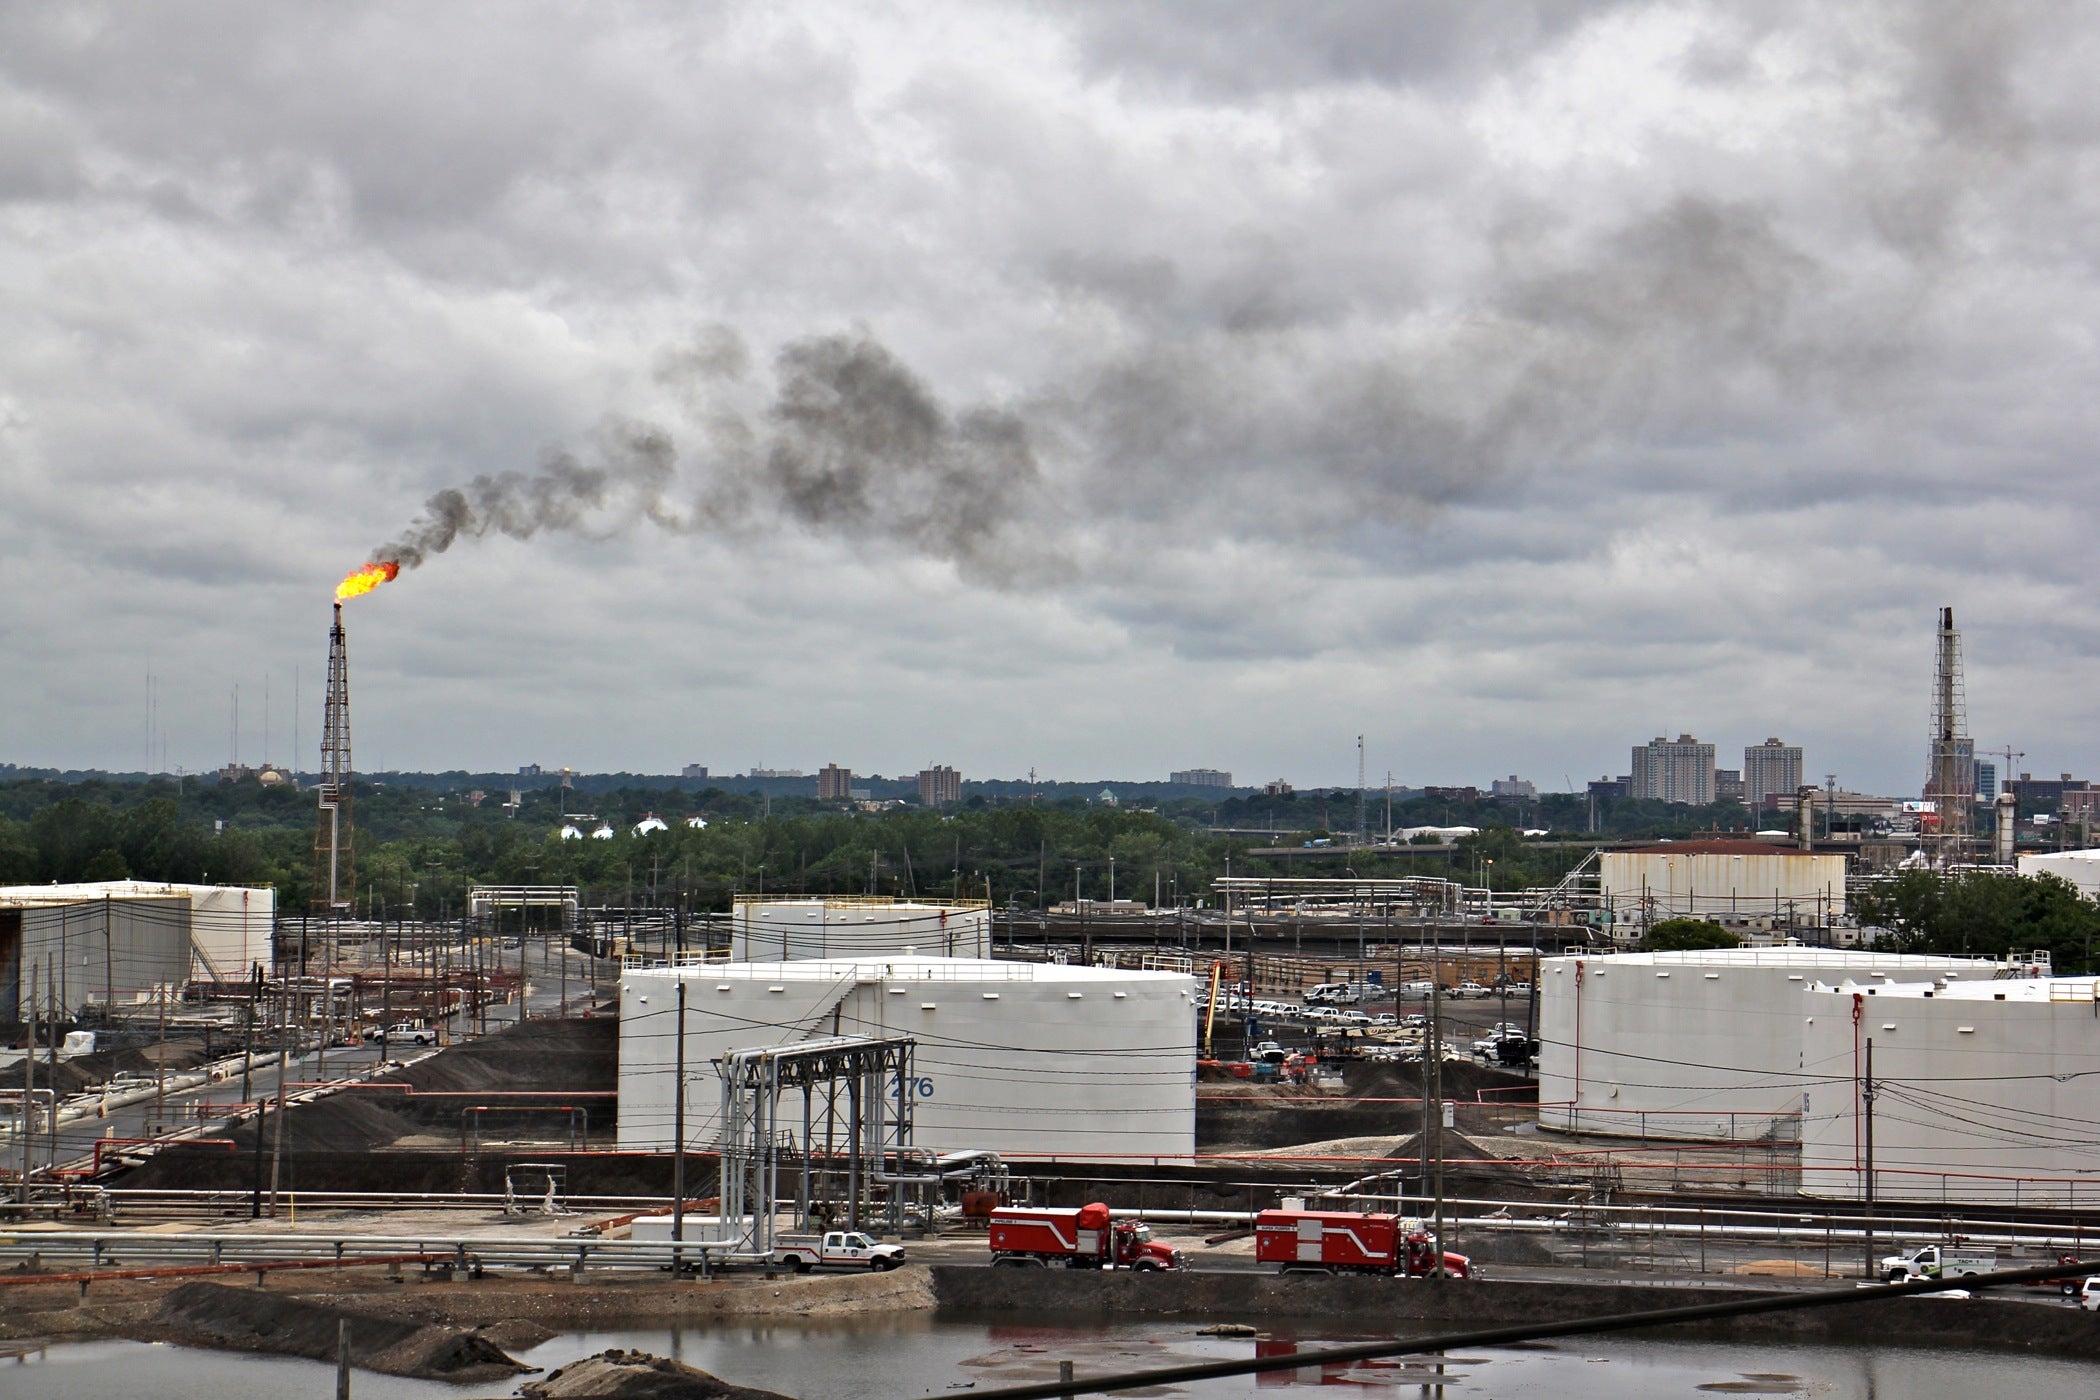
<point>1951,775</point>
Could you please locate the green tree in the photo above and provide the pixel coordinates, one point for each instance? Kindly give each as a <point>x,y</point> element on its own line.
<point>106,864</point>
<point>1687,935</point>
<point>1981,914</point>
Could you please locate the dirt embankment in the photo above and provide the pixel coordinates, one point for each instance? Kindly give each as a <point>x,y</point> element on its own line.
<point>636,1375</point>
<point>250,1319</point>
<point>83,1072</point>
<point>520,1076</point>
<point>508,1312</point>
<point>1376,1100</point>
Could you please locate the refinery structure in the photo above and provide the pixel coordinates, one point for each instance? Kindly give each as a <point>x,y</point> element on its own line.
<point>787,1073</point>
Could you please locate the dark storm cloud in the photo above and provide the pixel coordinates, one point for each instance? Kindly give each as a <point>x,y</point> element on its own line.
<point>1241,49</point>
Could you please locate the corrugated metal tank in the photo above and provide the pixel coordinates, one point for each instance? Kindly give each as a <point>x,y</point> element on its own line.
<point>1723,877</point>
<point>1697,1045</point>
<point>850,927</point>
<point>1023,1059</point>
<point>130,936</point>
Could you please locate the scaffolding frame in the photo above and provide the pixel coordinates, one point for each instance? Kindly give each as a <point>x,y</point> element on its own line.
<point>872,1071</point>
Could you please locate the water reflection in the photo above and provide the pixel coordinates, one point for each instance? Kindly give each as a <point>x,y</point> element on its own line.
<point>923,1357</point>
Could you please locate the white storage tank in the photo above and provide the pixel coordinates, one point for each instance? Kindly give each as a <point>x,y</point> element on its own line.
<point>1986,1092</point>
<point>857,926</point>
<point>121,940</point>
<point>2081,868</point>
<point>1722,878</point>
<point>1023,1059</point>
<point>1696,1045</point>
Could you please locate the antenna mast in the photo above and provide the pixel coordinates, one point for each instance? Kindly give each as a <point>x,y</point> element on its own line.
<point>335,875</point>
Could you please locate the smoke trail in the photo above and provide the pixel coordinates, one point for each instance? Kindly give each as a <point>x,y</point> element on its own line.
<point>1284,431</point>
<point>636,464</point>
<point>852,445</point>
<point>855,445</point>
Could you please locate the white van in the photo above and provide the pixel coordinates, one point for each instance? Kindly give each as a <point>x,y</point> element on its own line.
<point>1331,994</point>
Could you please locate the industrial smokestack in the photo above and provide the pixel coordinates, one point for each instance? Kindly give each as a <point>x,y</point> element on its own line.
<point>1805,817</point>
<point>2008,820</point>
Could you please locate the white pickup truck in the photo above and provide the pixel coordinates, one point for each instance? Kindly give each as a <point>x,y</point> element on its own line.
<point>840,1249</point>
<point>1938,1261</point>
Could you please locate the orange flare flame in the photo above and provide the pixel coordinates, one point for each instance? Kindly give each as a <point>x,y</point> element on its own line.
<point>363,581</point>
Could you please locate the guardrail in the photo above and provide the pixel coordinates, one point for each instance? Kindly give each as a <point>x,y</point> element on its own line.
<point>147,1255</point>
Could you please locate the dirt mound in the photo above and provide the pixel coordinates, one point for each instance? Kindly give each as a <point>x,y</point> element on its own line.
<point>553,1056</point>
<point>1497,1247</point>
<point>636,1375</point>
<point>355,1120</point>
<point>248,1319</point>
<point>84,1072</point>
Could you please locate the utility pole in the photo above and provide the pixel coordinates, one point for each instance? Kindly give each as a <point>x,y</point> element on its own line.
<point>1436,1080</point>
<point>283,1072</point>
<point>1866,1099</point>
<point>29,1083</point>
<point>678,1142</point>
<point>160,1069</point>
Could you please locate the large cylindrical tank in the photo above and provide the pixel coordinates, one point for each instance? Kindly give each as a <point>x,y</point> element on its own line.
<point>1695,1045</point>
<point>1984,1091</point>
<point>1023,1059</point>
<point>849,926</point>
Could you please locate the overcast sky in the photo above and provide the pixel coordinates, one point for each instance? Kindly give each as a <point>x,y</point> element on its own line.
<point>1102,389</point>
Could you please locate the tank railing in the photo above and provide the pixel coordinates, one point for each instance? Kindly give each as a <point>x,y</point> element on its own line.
<point>862,901</point>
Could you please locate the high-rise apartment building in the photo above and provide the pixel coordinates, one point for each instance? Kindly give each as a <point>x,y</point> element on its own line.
<point>834,784</point>
<point>1674,770</point>
<point>939,786</point>
<point>1771,774</point>
<point>1513,786</point>
<point>1201,777</point>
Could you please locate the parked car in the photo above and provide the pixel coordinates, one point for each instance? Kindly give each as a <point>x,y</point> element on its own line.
<point>2089,1295</point>
<point>407,1032</point>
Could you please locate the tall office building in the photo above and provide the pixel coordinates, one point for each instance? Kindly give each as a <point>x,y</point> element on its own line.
<point>1771,774</point>
<point>1674,770</point>
<point>939,786</point>
<point>834,784</point>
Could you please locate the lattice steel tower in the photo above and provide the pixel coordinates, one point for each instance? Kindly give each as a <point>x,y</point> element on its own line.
<point>335,872</point>
<point>1951,784</point>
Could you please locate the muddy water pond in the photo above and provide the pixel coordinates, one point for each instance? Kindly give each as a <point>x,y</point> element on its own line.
<point>948,1356</point>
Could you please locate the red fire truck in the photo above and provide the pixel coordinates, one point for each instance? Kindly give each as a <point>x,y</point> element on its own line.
<point>1344,1242</point>
<point>1086,1238</point>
